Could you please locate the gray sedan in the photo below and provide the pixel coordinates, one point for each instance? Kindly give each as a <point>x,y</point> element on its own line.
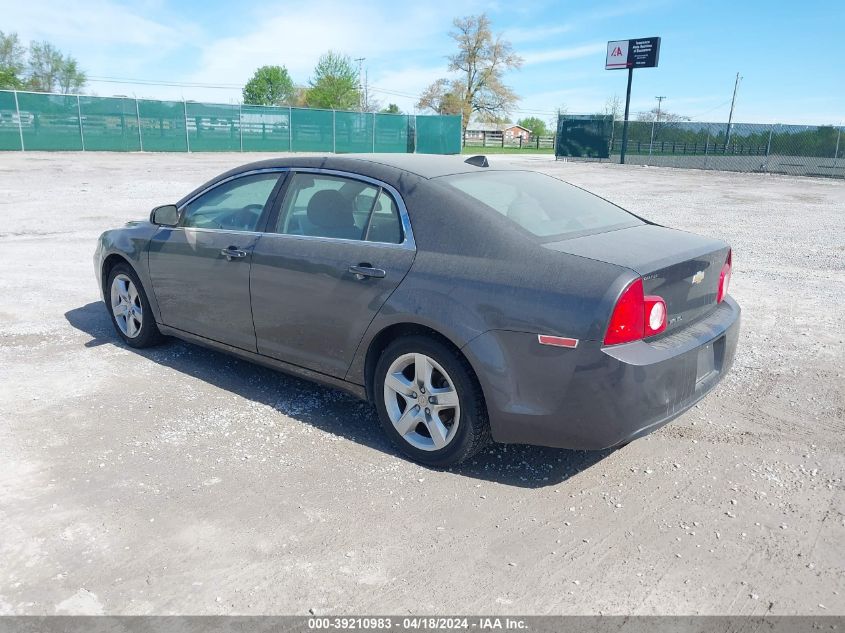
<point>467,303</point>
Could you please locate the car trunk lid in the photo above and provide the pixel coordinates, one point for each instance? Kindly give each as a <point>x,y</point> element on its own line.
<point>681,267</point>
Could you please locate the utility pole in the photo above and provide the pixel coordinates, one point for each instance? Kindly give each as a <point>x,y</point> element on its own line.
<point>731,115</point>
<point>361,96</point>
<point>655,120</point>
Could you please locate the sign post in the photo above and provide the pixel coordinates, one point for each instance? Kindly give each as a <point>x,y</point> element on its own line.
<point>631,54</point>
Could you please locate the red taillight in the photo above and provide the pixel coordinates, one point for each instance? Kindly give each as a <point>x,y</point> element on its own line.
<point>627,323</point>
<point>635,316</point>
<point>724,279</point>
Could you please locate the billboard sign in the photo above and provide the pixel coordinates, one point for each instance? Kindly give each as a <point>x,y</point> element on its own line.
<point>640,53</point>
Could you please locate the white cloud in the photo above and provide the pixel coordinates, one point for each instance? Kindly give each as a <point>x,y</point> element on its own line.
<point>298,36</point>
<point>92,22</point>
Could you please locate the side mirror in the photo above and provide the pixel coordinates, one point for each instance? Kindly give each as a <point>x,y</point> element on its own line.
<point>165,215</point>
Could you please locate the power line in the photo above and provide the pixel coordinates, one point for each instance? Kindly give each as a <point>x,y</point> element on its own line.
<point>154,82</point>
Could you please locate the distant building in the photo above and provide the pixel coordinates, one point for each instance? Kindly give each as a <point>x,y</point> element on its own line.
<point>495,132</point>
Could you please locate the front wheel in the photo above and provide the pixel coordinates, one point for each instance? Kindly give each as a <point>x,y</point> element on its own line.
<point>129,308</point>
<point>429,402</point>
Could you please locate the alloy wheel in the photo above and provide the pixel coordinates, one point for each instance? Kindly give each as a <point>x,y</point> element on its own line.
<point>126,306</point>
<point>422,401</point>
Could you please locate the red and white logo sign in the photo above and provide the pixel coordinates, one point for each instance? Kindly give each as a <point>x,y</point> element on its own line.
<point>617,55</point>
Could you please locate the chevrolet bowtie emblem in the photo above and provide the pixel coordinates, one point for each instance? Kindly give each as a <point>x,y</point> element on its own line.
<point>698,277</point>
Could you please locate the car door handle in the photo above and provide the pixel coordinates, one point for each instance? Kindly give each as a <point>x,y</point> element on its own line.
<point>233,252</point>
<point>362,271</point>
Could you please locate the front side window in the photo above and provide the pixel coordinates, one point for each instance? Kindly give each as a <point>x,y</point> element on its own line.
<point>320,205</point>
<point>542,205</point>
<point>236,205</point>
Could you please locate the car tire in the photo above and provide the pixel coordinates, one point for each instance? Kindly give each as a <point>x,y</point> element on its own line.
<point>129,309</point>
<point>429,401</point>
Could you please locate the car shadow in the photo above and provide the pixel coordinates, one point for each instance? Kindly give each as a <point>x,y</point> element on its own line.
<point>332,410</point>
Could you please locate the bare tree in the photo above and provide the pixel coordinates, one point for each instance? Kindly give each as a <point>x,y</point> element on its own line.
<point>613,107</point>
<point>665,116</point>
<point>480,63</point>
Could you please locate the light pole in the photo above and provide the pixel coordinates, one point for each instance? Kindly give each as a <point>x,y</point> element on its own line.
<point>361,96</point>
<point>731,115</point>
<point>655,120</point>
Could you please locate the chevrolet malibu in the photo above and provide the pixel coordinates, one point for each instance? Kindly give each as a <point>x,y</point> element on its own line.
<point>467,303</point>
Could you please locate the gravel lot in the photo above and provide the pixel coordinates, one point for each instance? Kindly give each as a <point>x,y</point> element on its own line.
<point>178,480</point>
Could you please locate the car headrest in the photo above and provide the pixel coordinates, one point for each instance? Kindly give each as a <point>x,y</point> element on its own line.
<point>330,210</point>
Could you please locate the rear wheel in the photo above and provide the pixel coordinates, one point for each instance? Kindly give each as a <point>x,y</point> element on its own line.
<point>429,402</point>
<point>129,308</point>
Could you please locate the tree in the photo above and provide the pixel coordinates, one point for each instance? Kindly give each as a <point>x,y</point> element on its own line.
<point>613,107</point>
<point>45,64</point>
<point>46,70</point>
<point>71,79</point>
<point>441,98</point>
<point>665,116</point>
<point>270,85</point>
<point>335,84</point>
<point>12,62</point>
<point>536,125</point>
<point>50,70</point>
<point>480,64</point>
<point>391,108</point>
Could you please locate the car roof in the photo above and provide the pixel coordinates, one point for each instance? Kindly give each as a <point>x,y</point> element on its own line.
<point>422,165</point>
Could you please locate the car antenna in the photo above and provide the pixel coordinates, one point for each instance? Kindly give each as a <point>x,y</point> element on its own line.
<point>478,161</point>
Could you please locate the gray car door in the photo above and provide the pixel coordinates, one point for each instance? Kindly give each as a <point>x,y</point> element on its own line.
<point>200,269</point>
<point>327,263</point>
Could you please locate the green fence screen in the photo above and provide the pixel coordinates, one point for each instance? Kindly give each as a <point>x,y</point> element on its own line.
<point>123,124</point>
<point>438,134</point>
<point>10,137</point>
<point>51,121</point>
<point>110,124</point>
<point>394,133</point>
<point>265,129</point>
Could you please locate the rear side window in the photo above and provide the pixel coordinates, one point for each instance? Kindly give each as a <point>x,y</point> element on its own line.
<point>321,205</point>
<point>542,205</point>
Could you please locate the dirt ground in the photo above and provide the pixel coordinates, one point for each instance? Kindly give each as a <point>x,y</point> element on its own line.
<point>178,480</point>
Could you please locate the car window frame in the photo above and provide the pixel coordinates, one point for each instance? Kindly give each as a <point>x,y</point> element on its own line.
<point>404,219</point>
<point>266,212</point>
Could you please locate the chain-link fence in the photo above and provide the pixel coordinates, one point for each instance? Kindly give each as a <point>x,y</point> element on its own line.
<point>801,150</point>
<point>41,121</point>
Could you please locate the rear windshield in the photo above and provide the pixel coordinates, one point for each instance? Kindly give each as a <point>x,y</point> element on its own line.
<point>542,205</point>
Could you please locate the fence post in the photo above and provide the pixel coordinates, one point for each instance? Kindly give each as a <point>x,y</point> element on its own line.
<point>290,129</point>
<point>138,117</point>
<point>374,132</point>
<point>20,127</point>
<point>187,137</point>
<point>241,126</point>
<point>416,136</point>
<point>334,132</point>
<point>79,116</point>
<point>768,148</point>
<point>707,147</point>
<point>836,151</point>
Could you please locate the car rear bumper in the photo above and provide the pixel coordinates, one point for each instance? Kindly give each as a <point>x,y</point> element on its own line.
<point>595,397</point>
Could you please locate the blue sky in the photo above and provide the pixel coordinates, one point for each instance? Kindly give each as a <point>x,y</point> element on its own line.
<point>790,54</point>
